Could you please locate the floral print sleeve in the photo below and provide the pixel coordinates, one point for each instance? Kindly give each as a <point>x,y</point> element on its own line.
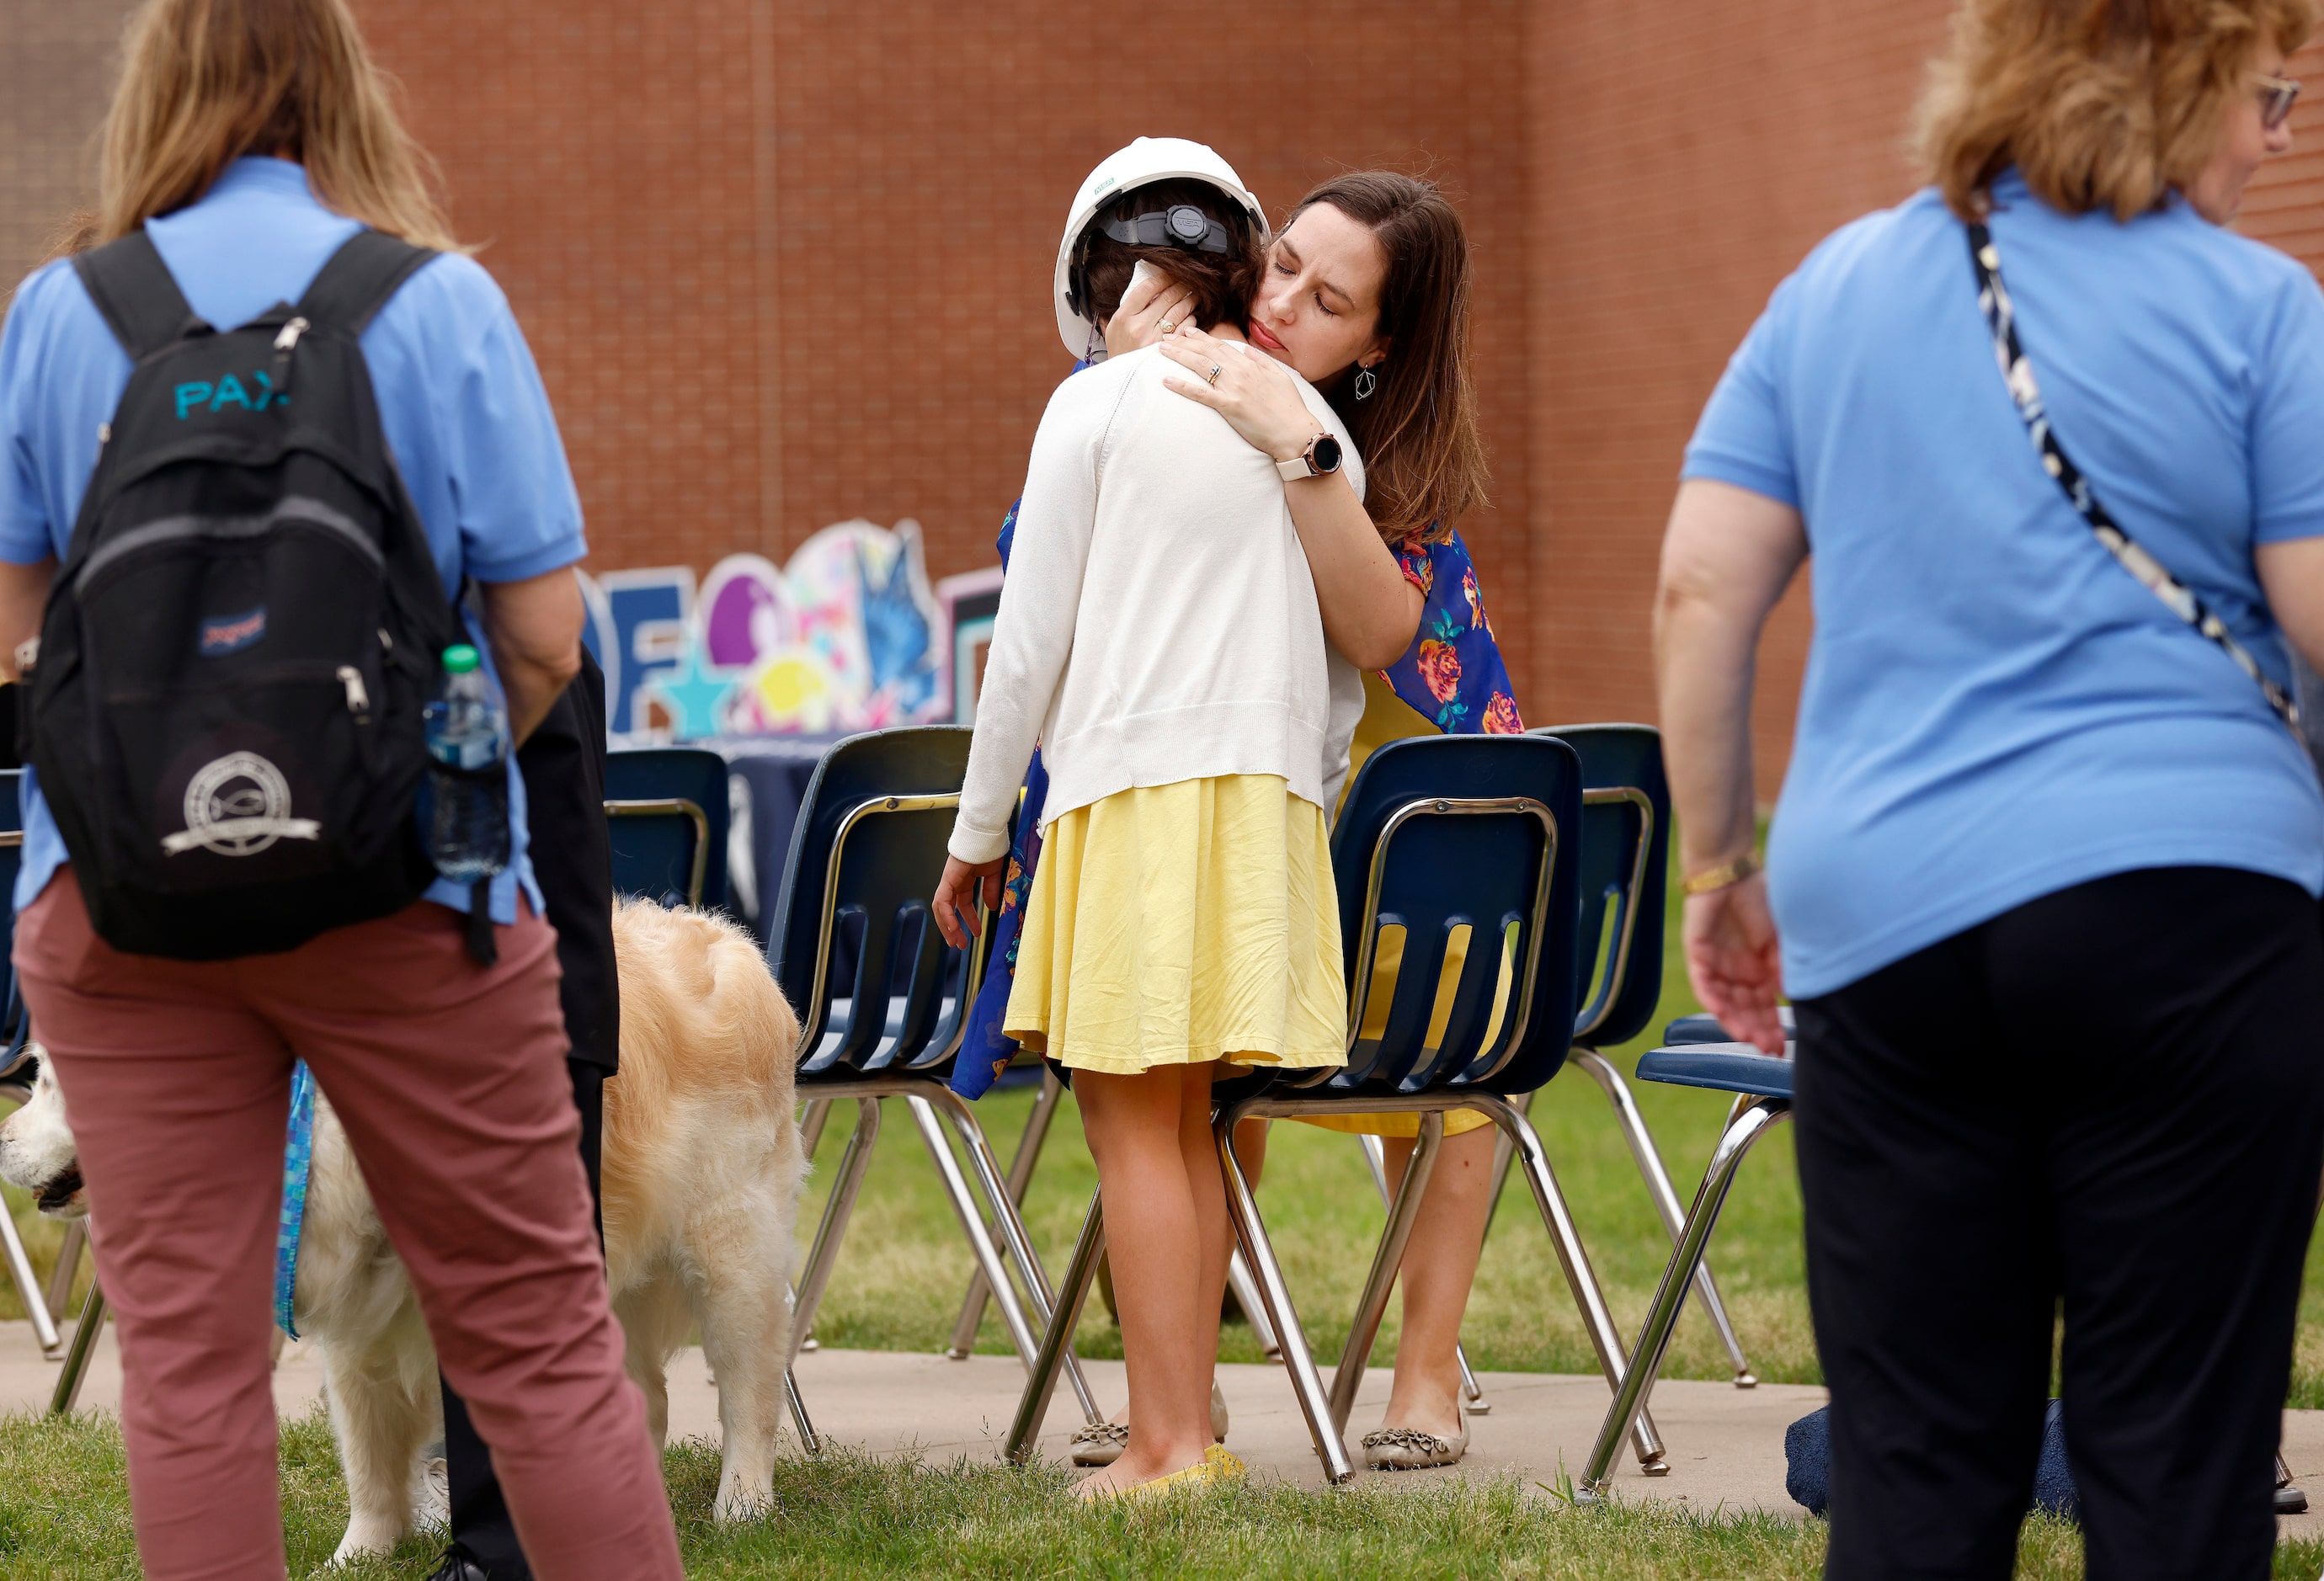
<point>1453,673</point>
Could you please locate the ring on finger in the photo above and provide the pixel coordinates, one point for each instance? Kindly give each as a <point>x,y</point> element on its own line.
<point>1216,369</point>
<point>1166,327</point>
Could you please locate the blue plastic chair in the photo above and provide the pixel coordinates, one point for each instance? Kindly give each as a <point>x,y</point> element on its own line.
<point>883,1000</point>
<point>1697,1055</point>
<point>1625,832</point>
<point>1467,836</point>
<point>667,812</point>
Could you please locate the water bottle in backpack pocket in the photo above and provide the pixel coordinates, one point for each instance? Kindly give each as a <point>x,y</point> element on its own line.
<point>466,804</point>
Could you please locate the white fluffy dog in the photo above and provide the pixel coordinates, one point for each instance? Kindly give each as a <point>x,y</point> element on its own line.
<point>701,1172</point>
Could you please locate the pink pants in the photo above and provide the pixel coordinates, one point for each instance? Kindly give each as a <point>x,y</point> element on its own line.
<point>451,1081</point>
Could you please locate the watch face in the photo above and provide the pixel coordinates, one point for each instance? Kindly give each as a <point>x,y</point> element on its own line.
<point>1326,456</point>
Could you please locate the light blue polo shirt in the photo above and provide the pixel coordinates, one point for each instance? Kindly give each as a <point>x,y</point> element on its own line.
<point>1994,709</point>
<point>461,401</point>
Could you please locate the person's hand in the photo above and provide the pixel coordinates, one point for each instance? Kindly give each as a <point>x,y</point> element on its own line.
<point>956,896</point>
<point>1253,392</point>
<point>1150,309</point>
<point>1733,963</point>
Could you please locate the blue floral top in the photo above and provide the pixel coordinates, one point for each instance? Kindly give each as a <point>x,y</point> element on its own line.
<point>1452,675</point>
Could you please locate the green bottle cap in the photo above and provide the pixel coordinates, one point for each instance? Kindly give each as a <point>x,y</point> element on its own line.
<point>460,659</point>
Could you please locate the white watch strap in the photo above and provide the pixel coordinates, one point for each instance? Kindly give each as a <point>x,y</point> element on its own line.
<point>1297,467</point>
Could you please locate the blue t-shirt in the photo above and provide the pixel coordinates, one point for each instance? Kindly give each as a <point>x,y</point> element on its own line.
<point>1994,709</point>
<point>465,417</point>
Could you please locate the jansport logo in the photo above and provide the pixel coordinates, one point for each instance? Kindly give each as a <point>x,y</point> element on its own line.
<point>236,806</point>
<point>232,633</point>
<point>201,395</point>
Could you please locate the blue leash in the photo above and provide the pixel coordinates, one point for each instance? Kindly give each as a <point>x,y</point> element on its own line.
<point>298,1159</point>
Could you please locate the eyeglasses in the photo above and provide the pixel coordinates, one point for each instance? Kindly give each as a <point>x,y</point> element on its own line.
<point>2277,94</point>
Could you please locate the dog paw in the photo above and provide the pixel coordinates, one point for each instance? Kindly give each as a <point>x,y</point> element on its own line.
<point>364,1540</point>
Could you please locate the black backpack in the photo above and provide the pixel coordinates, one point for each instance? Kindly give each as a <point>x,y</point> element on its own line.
<point>224,711</point>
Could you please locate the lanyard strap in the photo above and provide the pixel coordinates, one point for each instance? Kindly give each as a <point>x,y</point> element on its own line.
<point>2000,316</point>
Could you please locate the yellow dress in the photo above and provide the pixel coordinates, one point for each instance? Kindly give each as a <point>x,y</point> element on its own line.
<point>1388,718</point>
<point>1177,924</point>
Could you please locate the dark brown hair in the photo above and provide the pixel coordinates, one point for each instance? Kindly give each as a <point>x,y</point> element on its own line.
<point>1222,282</point>
<point>2100,104</point>
<point>1423,458</point>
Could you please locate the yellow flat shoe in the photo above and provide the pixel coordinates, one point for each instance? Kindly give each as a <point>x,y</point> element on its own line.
<point>1195,1475</point>
<point>1223,1464</point>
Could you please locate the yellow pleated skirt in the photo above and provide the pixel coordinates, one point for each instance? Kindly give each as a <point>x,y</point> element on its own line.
<point>1177,924</point>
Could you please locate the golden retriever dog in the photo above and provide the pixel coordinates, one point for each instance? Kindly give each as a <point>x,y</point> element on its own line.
<point>701,1171</point>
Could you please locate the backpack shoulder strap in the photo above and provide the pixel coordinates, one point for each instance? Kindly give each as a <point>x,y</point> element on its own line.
<point>358,280</point>
<point>133,288</point>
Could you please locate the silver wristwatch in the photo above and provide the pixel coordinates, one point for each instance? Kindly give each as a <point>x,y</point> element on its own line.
<point>1321,456</point>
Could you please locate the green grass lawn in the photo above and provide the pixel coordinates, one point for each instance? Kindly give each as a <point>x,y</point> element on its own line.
<point>65,1515</point>
<point>63,1506</point>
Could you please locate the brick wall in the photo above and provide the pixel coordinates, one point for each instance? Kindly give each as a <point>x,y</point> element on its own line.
<point>1686,155</point>
<point>785,264</point>
<point>57,64</point>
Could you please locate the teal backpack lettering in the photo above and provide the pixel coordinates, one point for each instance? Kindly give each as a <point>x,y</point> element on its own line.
<point>200,394</point>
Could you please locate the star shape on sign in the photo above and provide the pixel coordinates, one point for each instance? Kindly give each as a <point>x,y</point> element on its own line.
<point>695,695</point>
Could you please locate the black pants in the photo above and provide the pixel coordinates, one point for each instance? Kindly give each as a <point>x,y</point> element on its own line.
<point>564,767</point>
<point>2110,1098</point>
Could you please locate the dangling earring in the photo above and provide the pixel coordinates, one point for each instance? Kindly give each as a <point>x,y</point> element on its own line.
<point>1366,383</point>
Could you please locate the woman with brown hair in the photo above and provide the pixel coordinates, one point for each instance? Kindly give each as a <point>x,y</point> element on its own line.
<point>250,147</point>
<point>1366,295</point>
<point>2041,882</point>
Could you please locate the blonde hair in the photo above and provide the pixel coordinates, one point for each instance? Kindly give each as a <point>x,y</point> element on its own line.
<point>2100,104</point>
<point>208,81</point>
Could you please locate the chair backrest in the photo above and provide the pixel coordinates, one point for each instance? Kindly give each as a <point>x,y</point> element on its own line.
<point>668,811</point>
<point>1454,857</point>
<point>849,936</point>
<point>1626,828</point>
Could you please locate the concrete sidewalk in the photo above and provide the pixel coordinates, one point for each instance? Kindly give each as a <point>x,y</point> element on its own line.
<point>1726,1445</point>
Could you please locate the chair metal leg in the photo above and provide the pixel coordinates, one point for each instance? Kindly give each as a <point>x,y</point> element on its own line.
<point>1604,1336</point>
<point>972,1224</point>
<point>1245,1295</point>
<point>1306,1382</point>
<point>1389,1257</point>
<point>1056,1339</point>
<point>60,1277</point>
<point>1666,1199</point>
<point>811,1124</point>
<point>1015,1237</point>
<point>1020,1176</point>
<point>28,1286</point>
<point>86,1330</point>
<point>1751,1121</point>
<point>808,1443</point>
<point>1472,1393</point>
<point>825,1251</point>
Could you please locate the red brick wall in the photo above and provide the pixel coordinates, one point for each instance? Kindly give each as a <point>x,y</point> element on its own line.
<point>1686,155</point>
<point>785,264</point>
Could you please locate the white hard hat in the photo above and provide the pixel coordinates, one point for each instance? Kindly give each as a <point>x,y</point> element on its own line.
<point>1146,160</point>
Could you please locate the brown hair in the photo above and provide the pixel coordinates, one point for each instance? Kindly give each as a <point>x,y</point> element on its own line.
<point>2100,104</point>
<point>208,81</point>
<point>1424,457</point>
<point>1221,282</point>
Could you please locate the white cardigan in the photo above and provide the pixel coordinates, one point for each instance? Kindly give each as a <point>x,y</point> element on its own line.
<point>1159,621</point>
